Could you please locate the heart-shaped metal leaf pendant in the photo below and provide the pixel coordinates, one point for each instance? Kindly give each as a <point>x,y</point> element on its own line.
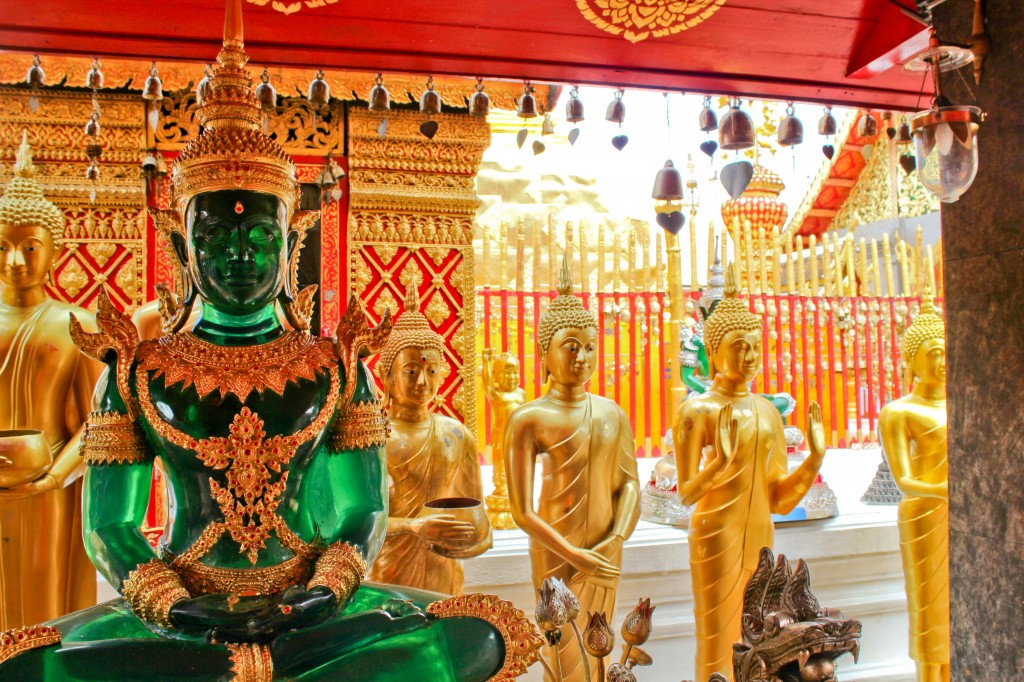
<point>574,135</point>
<point>521,138</point>
<point>382,129</point>
<point>429,129</point>
<point>736,176</point>
<point>671,222</point>
<point>709,147</point>
<point>620,141</point>
<point>538,147</point>
<point>908,163</point>
<point>829,151</point>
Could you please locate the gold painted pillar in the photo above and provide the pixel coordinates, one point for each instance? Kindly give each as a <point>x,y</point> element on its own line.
<point>412,203</point>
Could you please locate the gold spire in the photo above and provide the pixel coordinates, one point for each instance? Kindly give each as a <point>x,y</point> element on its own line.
<point>411,330</point>
<point>731,314</point>
<point>926,326</point>
<point>565,312</point>
<point>232,151</point>
<point>24,202</point>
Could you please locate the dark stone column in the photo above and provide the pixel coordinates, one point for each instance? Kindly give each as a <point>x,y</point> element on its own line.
<point>983,249</point>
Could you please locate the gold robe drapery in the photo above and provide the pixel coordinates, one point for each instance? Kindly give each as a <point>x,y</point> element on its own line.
<point>426,461</point>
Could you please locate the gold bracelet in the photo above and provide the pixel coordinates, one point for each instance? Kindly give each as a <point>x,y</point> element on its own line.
<point>340,569</point>
<point>151,590</point>
<point>112,438</point>
<point>360,425</point>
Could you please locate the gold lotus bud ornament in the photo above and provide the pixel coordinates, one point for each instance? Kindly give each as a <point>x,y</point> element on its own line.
<point>598,638</point>
<point>637,626</point>
<point>618,672</point>
<point>551,614</point>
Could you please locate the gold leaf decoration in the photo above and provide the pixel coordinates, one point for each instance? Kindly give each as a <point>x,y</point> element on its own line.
<point>386,252</point>
<point>437,311</point>
<point>73,278</point>
<point>386,301</point>
<point>101,252</point>
<point>637,20</point>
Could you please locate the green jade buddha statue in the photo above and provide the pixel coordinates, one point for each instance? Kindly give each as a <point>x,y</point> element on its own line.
<point>272,441</point>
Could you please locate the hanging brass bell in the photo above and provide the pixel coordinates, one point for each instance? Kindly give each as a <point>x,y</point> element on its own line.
<point>827,125</point>
<point>94,78</point>
<point>92,173</point>
<point>480,102</point>
<point>791,129</point>
<point>527,103</point>
<point>204,88</point>
<point>265,93</point>
<point>430,100</point>
<point>153,89</point>
<point>867,126</point>
<point>92,127</point>
<point>616,112</point>
<point>708,119</point>
<point>903,134</point>
<point>736,131</point>
<point>380,98</point>
<point>319,93</point>
<point>35,76</point>
<point>574,106</point>
<point>668,183</point>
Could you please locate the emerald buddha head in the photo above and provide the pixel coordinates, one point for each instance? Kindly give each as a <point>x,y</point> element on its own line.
<point>567,335</point>
<point>30,227</point>
<point>234,189</point>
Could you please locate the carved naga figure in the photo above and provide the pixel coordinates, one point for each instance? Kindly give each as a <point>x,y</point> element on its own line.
<point>272,441</point>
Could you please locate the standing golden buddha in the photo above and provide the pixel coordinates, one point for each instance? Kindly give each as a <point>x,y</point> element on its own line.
<point>742,480</point>
<point>590,492</point>
<point>429,457</point>
<point>45,386</point>
<point>501,386</point>
<point>913,434</point>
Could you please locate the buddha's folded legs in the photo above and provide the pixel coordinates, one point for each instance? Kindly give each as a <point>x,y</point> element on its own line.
<point>382,635</point>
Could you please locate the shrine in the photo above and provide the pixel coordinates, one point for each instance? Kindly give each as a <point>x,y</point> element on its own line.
<point>436,341</point>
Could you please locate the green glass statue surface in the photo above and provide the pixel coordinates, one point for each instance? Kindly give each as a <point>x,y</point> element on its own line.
<point>272,443</point>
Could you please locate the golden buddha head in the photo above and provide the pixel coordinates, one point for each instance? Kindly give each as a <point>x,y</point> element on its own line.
<point>732,336</point>
<point>31,227</point>
<point>236,192</point>
<point>411,364</point>
<point>924,345</point>
<point>505,372</point>
<point>567,335</point>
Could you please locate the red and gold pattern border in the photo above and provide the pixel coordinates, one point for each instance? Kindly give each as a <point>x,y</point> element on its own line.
<point>19,640</point>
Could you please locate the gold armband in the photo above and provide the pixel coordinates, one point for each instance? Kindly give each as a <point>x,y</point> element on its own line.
<point>151,590</point>
<point>340,569</point>
<point>360,425</point>
<point>112,438</point>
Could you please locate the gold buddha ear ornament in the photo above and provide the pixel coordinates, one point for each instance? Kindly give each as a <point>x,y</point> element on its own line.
<point>565,312</point>
<point>411,330</point>
<point>730,314</point>
<point>24,202</point>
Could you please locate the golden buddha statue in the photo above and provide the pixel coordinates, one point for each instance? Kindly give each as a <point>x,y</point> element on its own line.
<point>501,386</point>
<point>590,492</point>
<point>731,463</point>
<point>45,386</point>
<point>913,434</point>
<point>430,458</point>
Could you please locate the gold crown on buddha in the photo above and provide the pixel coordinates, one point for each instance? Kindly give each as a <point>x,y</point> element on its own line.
<point>926,326</point>
<point>565,312</point>
<point>731,314</point>
<point>24,202</point>
<point>411,330</point>
<point>232,151</point>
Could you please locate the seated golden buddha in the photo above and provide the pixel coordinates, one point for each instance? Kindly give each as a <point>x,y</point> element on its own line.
<point>272,442</point>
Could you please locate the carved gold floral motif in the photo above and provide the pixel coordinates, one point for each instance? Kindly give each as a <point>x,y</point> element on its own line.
<point>237,370</point>
<point>638,20</point>
<point>19,640</point>
<point>73,278</point>
<point>386,301</point>
<point>522,641</point>
<point>437,309</point>
<point>112,438</point>
<point>250,500</point>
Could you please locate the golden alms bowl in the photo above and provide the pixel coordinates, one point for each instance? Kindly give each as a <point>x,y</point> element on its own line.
<point>24,456</point>
<point>470,510</point>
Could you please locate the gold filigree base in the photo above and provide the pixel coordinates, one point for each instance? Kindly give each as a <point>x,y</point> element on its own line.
<point>499,513</point>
